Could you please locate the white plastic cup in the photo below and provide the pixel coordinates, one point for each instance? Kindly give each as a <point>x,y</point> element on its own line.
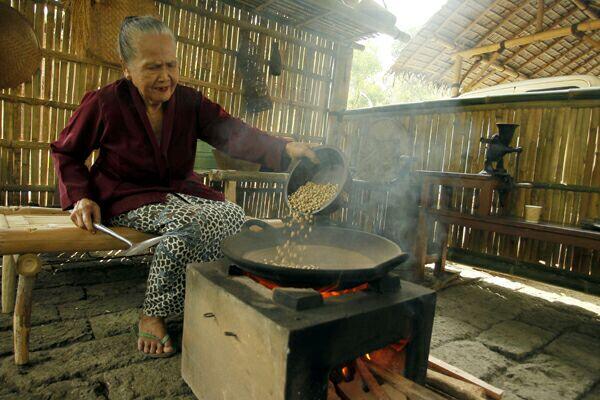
<point>532,213</point>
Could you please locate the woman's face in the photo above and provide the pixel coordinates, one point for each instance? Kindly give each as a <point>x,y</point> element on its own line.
<point>154,70</point>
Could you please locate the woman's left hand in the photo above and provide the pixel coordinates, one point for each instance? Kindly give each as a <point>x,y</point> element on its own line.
<point>297,150</point>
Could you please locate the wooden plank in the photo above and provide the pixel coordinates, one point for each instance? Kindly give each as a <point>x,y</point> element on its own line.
<point>440,366</point>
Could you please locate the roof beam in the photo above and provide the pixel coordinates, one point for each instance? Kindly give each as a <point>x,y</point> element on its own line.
<point>554,24</point>
<point>489,61</point>
<point>586,26</point>
<point>539,21</point>
<point>492,30</point>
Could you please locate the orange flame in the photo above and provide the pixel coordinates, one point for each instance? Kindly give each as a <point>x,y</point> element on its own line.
<point>345,372</point>
<point>325,291</point>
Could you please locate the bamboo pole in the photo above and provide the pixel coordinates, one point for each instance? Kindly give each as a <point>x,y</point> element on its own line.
<point>19,241</point>
<point>9,276</point>
<point>555,24</point>
<point>484,59</point>
<point>28,266</point>
<point>539,22</point>
<point>586,26</point>
<point>484,68</point>
<point>457,74</point>
<point>483,37</point>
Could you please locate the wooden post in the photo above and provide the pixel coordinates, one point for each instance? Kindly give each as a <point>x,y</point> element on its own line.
<point>539,22</point>
<point>230,191</point>
<point>339,91</point>
<point>9,276</point>
<point>9,283</point>
<point>457,75</point>
<point>28,266</point>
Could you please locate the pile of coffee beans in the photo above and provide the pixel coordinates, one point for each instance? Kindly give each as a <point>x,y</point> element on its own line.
<point>311,196</point>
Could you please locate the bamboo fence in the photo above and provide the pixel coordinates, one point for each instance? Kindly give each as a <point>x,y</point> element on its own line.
<point>33,114</point>
<point>561,157</point>
<point>560,135</point>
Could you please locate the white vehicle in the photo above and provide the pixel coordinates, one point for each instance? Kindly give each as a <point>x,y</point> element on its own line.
<point>536,86</point>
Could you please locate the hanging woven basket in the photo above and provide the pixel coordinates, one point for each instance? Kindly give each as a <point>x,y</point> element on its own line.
<point>96,24</point>
<point>20,54</point>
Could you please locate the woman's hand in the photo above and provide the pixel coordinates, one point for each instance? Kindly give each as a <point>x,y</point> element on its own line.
<point>297,150</point>
<point>85,213</point>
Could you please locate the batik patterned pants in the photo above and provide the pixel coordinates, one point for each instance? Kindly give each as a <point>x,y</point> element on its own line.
<point>195,228</point>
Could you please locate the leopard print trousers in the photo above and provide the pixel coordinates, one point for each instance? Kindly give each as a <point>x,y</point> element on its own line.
<point>194,228</point>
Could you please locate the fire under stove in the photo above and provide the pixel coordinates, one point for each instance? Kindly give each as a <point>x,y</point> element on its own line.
<point>244,339</point>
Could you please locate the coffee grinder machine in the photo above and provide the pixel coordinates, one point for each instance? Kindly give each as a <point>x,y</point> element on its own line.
<point>497,147</point>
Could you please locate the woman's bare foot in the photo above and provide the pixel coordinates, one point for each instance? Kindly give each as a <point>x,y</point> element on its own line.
<point>154,326</point>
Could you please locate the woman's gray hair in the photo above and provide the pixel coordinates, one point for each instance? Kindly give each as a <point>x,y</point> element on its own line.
<point>133,26</point>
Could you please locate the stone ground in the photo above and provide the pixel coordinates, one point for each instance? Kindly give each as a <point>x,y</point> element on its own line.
<point>84,348</point>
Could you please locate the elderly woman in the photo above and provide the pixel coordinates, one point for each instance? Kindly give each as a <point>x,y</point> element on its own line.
<point>146,126</point>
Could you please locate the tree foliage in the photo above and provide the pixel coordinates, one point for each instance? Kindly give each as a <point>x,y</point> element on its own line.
<point>371,85</point>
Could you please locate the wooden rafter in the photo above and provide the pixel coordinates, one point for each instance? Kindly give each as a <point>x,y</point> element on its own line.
<point>539,21</point>
<point>484,62</point>
<point>554,24</point>
<point>484,37</point>
<point>484,68</point>
<point>517,53</point>
<point>586,26</point>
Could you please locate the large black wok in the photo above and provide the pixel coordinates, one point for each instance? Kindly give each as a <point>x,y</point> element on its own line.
<point>337,257</point>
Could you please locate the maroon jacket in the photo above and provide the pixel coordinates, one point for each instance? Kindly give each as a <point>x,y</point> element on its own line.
<point>133,168</point>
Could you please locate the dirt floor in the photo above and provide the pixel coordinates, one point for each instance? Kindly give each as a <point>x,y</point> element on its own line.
<point>83,346</point>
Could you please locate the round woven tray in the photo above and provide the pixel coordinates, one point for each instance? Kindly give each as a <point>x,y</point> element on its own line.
<point>20,54</point>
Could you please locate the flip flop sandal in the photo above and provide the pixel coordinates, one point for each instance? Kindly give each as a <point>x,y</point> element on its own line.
<point>162,341</point>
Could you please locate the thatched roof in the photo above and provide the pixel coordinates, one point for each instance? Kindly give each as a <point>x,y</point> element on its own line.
<point>341,20</point>
<point>461,25</point>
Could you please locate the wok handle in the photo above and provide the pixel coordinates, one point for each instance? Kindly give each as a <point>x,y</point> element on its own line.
<point>258,222</point>
<point>398,260</point>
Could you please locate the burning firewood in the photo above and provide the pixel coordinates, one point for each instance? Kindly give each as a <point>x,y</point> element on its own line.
<point>371,381</point>
<point>409,388</point>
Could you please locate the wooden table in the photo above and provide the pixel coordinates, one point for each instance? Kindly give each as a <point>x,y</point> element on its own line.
<point>485,217</point>
<point>447,181</point>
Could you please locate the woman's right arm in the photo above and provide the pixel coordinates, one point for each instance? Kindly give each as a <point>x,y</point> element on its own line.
<point>76,142</point>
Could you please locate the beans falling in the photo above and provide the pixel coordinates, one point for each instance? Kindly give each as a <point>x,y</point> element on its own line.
<point>311,196</point>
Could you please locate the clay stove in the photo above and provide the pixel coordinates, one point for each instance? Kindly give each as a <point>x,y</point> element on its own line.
<point>242,340</point>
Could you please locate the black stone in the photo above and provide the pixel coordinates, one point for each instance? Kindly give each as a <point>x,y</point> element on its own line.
<point>297,299</point>
<point>387,284</point>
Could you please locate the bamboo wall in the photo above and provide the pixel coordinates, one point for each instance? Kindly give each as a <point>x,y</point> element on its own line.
<point>33,114</point>
<point>561,140</point>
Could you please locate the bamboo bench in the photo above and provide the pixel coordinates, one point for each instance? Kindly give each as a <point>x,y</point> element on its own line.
<point>24,233</point>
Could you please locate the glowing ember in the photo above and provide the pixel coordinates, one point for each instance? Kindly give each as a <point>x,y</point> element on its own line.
<point>326,292</point>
